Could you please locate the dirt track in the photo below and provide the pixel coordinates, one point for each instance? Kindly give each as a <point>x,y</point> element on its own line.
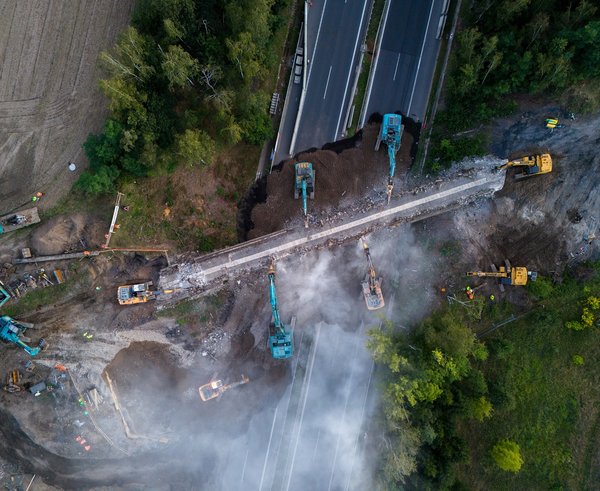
<point>49,96</point>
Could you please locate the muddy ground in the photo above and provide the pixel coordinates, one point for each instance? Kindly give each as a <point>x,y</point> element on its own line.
<point>157,355</point>
<point>49,97</point>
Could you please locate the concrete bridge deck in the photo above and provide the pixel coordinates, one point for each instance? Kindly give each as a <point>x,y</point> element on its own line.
<point>200,272</point>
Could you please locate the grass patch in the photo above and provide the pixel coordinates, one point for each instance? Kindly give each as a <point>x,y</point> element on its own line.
<point>542,399</point>
<point>191,208</point>
<point>39,298</point>
<point>199,311</point>
<point>447,149</point>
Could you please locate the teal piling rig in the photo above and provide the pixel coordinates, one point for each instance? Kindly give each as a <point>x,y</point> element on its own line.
<point>280,339</point>
<point>4,295</point>
<point>12,331</point>
<point>391,135</point>
<point>304,184</point>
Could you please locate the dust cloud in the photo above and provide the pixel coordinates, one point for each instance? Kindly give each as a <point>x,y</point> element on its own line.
<point>319,434</point>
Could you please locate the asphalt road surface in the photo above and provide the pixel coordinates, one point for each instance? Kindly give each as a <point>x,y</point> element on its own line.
<point>405,62</point>
<point>335,34</point>
<point>313,438</point>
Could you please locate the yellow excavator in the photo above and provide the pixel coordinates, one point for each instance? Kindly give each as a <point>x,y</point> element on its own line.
<point>371,286</point>
<point>533,165</point>
<point>507,275</point>
<point>138,293</point>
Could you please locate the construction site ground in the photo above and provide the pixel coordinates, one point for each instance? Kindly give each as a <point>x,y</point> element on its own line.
<point>158,354</point>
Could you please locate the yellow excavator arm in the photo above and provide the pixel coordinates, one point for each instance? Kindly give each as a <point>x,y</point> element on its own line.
<point>543,163</point>
<point>485,274</point>
<point>518,276</point>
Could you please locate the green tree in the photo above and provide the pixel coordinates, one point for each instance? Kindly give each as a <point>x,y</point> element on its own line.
<point>507,455</point>
<point>481,408</point>
<point>100,182</point>
<point>130,57</point>
<point>104,149</point>
<point>195,147</point>
<point>179,67</point>
<point>243,53</point>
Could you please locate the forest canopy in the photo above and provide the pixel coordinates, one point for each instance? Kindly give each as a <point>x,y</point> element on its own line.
<point>185,78</point>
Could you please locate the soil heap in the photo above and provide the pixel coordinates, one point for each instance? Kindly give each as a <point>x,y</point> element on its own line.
<point>355,171</point>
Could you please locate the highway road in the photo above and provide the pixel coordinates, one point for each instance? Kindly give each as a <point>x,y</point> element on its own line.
<point>405,58</point>
<point>335,33</point>
<point>313,437</point>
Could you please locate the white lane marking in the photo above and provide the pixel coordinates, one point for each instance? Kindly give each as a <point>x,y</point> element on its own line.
<point>310,372</point>
<point>262,477</point>
<point>316,445</point>
<point>327,84</point>
<point>362,416</point>
<point>364,403</point>
<point>348,392</point>
<point>397,63</point>
<point>244,469</point>
<point>351,70</point>
<point>312,59</point>
<point>377,51</point>
<point>420,58</point>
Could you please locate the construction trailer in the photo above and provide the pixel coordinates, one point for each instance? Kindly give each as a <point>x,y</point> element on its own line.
<point>371,286</point>
<point>530,165</point>
<point>507,274</point>
<point>214,389</point>
<point>17,220</point>
<point>391,135</point>
<point>13,331</point>
<point>280,338</point>
<point>304,185</point>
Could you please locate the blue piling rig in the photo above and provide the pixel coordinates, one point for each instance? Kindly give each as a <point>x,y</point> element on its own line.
<point>391,135</point>
<point>304,184</point>
<point>280,339</point>
<point>11,330</point>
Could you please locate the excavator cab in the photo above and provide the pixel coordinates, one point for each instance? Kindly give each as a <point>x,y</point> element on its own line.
<point>371,286</point>
<point>280,339</point>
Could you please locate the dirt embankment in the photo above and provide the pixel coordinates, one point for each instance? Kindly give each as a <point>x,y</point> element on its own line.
<point>543,222</point>
<point>340,178</point>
